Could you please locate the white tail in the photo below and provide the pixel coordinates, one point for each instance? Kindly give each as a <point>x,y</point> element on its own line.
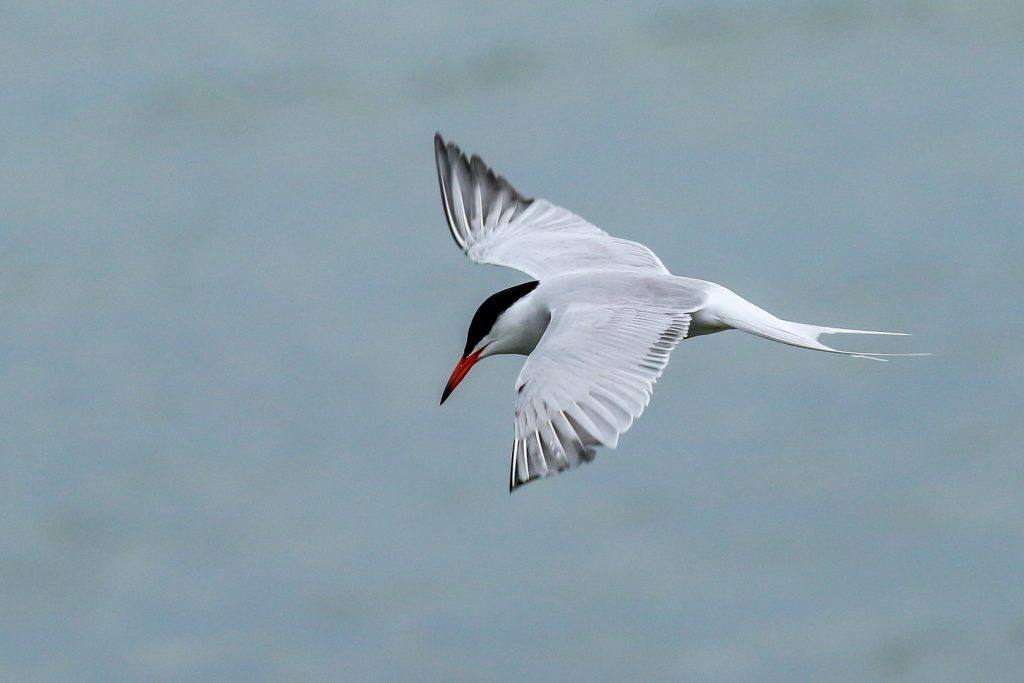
<point>735,311</point>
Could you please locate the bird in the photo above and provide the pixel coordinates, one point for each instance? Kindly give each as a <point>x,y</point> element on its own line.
<point>597,321</point>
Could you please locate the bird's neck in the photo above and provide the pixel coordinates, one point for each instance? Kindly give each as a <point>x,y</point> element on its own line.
<point>519,329</point>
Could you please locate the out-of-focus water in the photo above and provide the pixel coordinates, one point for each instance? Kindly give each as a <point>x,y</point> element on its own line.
<point>229,304</point>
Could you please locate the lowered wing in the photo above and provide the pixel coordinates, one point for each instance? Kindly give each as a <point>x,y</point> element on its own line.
<point>590,376</point>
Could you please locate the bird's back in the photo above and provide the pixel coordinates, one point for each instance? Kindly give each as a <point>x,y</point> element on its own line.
<point>616,288</point>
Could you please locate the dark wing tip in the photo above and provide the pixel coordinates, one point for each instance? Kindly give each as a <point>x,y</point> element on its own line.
<point>443,155</point>
<point>472,175</point>
<point>447,151</point>
<point>515,485</point>
<point>439,154</point>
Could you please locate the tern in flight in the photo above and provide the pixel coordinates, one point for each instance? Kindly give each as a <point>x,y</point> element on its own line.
<point>597,322</point>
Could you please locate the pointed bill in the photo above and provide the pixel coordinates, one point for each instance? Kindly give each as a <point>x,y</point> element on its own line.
<point>461,370</point>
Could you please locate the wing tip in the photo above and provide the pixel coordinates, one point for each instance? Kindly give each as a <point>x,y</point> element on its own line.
<point>517,484</point>
<point>447,151</point>
<point>441,151</point>
<point>443,158</point>
<point>457,173</point>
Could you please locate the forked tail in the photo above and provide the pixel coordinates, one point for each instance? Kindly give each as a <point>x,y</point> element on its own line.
<point>806,336</point>
<point>739,313</point>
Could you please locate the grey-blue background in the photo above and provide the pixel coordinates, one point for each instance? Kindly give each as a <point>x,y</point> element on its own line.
<point>229,304</point>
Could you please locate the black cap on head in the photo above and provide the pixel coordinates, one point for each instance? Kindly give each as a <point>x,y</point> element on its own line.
<point>489,310</point>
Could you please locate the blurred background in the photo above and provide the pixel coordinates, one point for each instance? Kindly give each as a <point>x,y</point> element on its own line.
<point>229,304</point>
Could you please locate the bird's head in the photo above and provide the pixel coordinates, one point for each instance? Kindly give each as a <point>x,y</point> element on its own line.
<point>498,326</point>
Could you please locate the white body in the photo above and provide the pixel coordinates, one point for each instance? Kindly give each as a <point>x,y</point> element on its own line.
<point>599,326</point>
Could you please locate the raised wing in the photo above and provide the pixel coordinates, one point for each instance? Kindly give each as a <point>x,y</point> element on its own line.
<point>591,375</point>
<point>492,223</point>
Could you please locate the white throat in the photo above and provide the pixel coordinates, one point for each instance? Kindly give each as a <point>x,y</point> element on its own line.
<point>519,329</point>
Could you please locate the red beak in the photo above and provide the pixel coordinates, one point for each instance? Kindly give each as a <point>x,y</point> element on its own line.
<point>461,370</point>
